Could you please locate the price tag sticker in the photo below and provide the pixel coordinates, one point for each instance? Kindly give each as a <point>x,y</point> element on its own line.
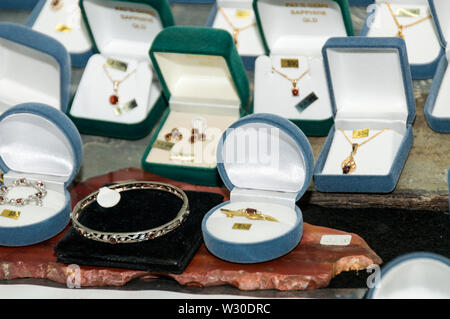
<point>242,14</point>
<point>241,226</point>
<point>336,240</point>
<point>360,133</point>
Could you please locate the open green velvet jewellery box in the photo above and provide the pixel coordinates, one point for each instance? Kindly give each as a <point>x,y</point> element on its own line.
<point>118,95</point>
<point>374,109</point>
<point>267,164</point>
<point>290,79</point>
<point>205,84</point>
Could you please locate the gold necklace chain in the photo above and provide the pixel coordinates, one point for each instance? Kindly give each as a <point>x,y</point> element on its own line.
<point>295,90</point>
<point>401,27</point>
<point>349,164</point>
<point>236,30</point>
<point>114,98</point>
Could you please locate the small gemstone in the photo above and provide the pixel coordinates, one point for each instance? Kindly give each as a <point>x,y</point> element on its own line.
<point>40,184</point>
<point>3,189</point>
<point>295,92</point>
<point>2,199</point>
<point>19,200</point>
<point>22,180</point>
<point>346,169</point>
<point>251,211</point>
<point>112,240</point>
<point>193,139</point>
<point>114,99</point>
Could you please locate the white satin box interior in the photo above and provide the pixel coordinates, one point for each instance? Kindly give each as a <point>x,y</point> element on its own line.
<point>369,143</point>
<point>266,162</point>
<point>294,55</point>
<point>62,21</point>
<point>437,111</point>
<point>36,68</point>
<point>417,28</point>
<point>118,91</point>
<point>238,18</point>
<point>38,144</point>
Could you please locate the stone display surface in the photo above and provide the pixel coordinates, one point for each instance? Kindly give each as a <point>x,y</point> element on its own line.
<point>309,266</point>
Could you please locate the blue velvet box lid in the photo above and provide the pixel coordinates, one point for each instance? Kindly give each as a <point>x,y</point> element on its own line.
<point>18,4</point>
<point>44,145</point>
<point>418,275</point>
<point>278,182</point>
<point>375,44</point>
<point>283,125</point>
<point>78,59</point>
<point>360,2</point>
<point>46,46</point>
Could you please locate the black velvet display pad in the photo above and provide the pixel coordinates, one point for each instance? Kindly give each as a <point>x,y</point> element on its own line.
<point>140,210</point>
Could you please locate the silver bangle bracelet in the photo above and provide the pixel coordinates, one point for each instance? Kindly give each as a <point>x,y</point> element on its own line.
<point>131,237</point>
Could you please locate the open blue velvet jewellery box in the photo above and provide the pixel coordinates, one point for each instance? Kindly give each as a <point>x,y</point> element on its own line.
<point>418,275</point>
<point>38,142</point>
<point>418,29</point>
<point>62,21</point>
<point>37,68</point>
<point>290,78</point>
<point>238,18</point>
<point>207,89</point>
<point>118,94</point>
<point>267,163</point>
<point>374,109</point>
<point>437,110</point>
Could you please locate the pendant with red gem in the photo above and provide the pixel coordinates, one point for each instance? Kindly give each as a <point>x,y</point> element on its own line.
<point>114,98</point>
<point>295,91</point>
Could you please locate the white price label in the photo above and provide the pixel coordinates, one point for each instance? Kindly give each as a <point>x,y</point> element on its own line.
<point>336,240</point>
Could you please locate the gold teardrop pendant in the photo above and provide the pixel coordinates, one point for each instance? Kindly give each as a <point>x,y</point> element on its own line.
<point>349,164</point>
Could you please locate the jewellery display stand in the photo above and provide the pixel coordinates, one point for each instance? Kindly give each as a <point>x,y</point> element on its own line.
<point>395,280</point>
<point>269,181</point>
<point>139,209</point>
<point>437,112</point>
<point>203,79</point>
<point>422,39</point>
<point>38,68</point>
<point>299,39</point>
<point>18,4</point>
<point>358,70</point>
<point>40,144</point>
<point>238,18</point>
<point>122,31</point>
<point>65,25</point>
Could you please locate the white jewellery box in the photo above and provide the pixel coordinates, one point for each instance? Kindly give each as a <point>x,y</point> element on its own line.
<point>266,162</point>
<point>290,79</point>
<point>36,68</point>
<point>238,18</point>
<point>417,29</point>
<point>62,21</point>
<point>118,95</point>
<point>38,143</point>
<point>374,109</point>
